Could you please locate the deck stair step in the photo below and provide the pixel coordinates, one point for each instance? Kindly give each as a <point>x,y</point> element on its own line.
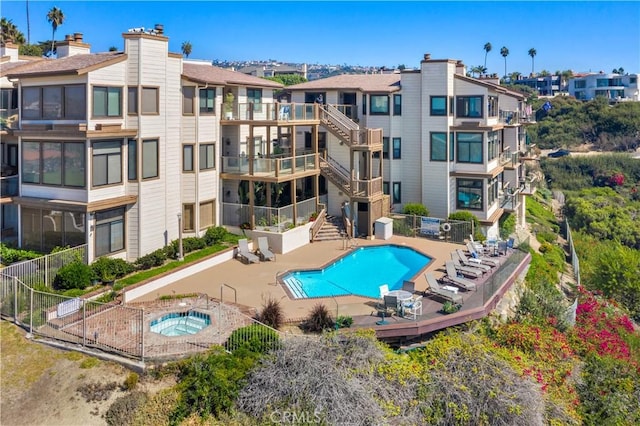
<point>332,229</point>
<point>295,286</point>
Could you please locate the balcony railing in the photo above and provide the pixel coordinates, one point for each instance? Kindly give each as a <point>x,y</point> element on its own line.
<point>528,185</point>
<point>271,112</point>
<point>272,219</point>
<point>513,117</point>
<point>269,167</point>
<point>9,186</point>
<point>366,188</point>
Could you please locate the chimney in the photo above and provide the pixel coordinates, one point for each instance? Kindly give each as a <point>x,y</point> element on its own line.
<point>10,50</point>
<point>159,29</point>
<point>460,68</point>
<point>72,45</point>
<point>427,57</point>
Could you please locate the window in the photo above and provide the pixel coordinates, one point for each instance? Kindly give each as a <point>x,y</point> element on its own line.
<point>452,146</point>
<point>385,187</point>
<point>580,84</point>
<point>254,96</point>
<point>493,145</point>
<point>43,230</point>
<point>132,100</point>
<point>397,148</point>
<point>397,104</point>
<point>207,101</point>
<point>469,106</point>
<point>469,147</point>
<point>107,101</point>
<point>439,105</point>
<point>188,219</point>
<point>187,158</point>
<point>492,191</point>
<point>107,163</point>
<point>378,104</point>
<point>451,104</point>
<point>54,102</point>
<point>469,194</point>
<point>206,214</point>
<point>385,147</point>
<point>602,82</point>
<point>438,146</point>
<point>364,104</point>
<point>492,106</point>
<point>207,156</point>
<point>150,100</point>
<point>397,193</point>
<point>132,159</point>
<point>8,99</point>
<point>109,231</point>
<point>633,80</point>
<point>54,163</point>
<point>149,159</point>
<point>188,94</point>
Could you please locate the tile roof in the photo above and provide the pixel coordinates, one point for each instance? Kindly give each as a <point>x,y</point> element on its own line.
<point>7,67</point>
<point>76,64</point>
<point>362,82</point>
<point>204,73</point>
<point>490,85</point>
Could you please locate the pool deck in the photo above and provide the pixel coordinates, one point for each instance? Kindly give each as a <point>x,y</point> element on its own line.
<point>255,283</point>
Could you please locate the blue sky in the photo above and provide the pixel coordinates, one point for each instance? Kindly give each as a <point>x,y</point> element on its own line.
<point>577,35</point>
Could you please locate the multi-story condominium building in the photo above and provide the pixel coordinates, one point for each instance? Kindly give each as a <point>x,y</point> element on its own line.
<point>127,151</point>
<point>115,149</point>
<point>449,141</point>
<point>548,85</point>
<point>614,87</point>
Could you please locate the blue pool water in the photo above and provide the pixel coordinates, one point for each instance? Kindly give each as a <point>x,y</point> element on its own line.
<point>180,323</point>
<point>361,273</point>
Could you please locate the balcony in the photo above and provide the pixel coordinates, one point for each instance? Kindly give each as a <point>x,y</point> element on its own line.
<point>289,113</point>
<point>529,185</point>
<point>509,200</point>
<point>509,160</point>
<point>9,186</point>
<point>271,219</point>
<point>366,188</point>
<point>269,167</point>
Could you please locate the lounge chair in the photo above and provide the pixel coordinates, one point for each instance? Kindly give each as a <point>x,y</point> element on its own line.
<point>452,276</point>
<point>244,253</point>
<point>435,289</point>
<point>263,249</point>
<point>467,271</point>
<point>389,305</point>
<point>502,248</point>
<point>477,255</point>
<point>468,261</point>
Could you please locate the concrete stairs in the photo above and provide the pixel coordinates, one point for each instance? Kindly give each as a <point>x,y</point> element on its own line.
<point>332,229</point>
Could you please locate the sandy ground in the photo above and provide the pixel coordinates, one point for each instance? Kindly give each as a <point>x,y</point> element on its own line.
<point>39,384</point>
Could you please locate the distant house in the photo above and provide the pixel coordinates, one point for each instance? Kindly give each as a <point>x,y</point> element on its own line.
<point>614,87</point>
<point>274,70</point>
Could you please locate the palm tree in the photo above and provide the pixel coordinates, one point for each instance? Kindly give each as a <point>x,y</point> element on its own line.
<point>9,32</point>
<point>28,25</point>
<point>56,18</point>
<point>504,52</point>
<point>487,49</point>
<point>532,53</point>
<point>186,48</point>
<point>476,70</point>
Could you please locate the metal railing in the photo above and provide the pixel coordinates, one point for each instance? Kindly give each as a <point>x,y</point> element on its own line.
<point>276,111</point>
<point>431,227</point>
<point>268,167</point>
<point>42,271</point>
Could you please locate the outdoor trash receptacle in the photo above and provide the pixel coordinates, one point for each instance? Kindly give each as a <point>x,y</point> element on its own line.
<point>383,228</point>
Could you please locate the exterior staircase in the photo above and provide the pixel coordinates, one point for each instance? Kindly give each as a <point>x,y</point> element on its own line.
<point>332,229</point>
<point>336,174</point>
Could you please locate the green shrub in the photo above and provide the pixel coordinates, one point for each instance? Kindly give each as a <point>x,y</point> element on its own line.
<point>254,338</point>
<point>155,258</point>
<point>73,275</point>
<point>416,209</point>
<point>318,320</point>
<point>107,267</point>
<point>469,217</point>
<point>131,381</point>
<point>344,321</point>
<point>209,384</point>
<point>10,255</point>
<point>271,313</point>
<point>192,244</point>
<point>215,235</point>
<point>449,307</point>
<point>507,225</point>
<point>546,237</point>
<point>74,292</point>
<point>123,409</point>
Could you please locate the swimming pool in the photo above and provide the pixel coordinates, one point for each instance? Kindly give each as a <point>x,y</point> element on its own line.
<point>360,273</point>
<point>180,323</point>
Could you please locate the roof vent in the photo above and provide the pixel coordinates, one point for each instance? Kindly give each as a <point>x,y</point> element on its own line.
<point>77,37</point>
<point>159,29</point>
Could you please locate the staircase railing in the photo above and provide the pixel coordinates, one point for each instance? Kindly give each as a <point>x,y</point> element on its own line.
<point>322,216</point>
<point>336,175</point>
<point>341,125</point>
